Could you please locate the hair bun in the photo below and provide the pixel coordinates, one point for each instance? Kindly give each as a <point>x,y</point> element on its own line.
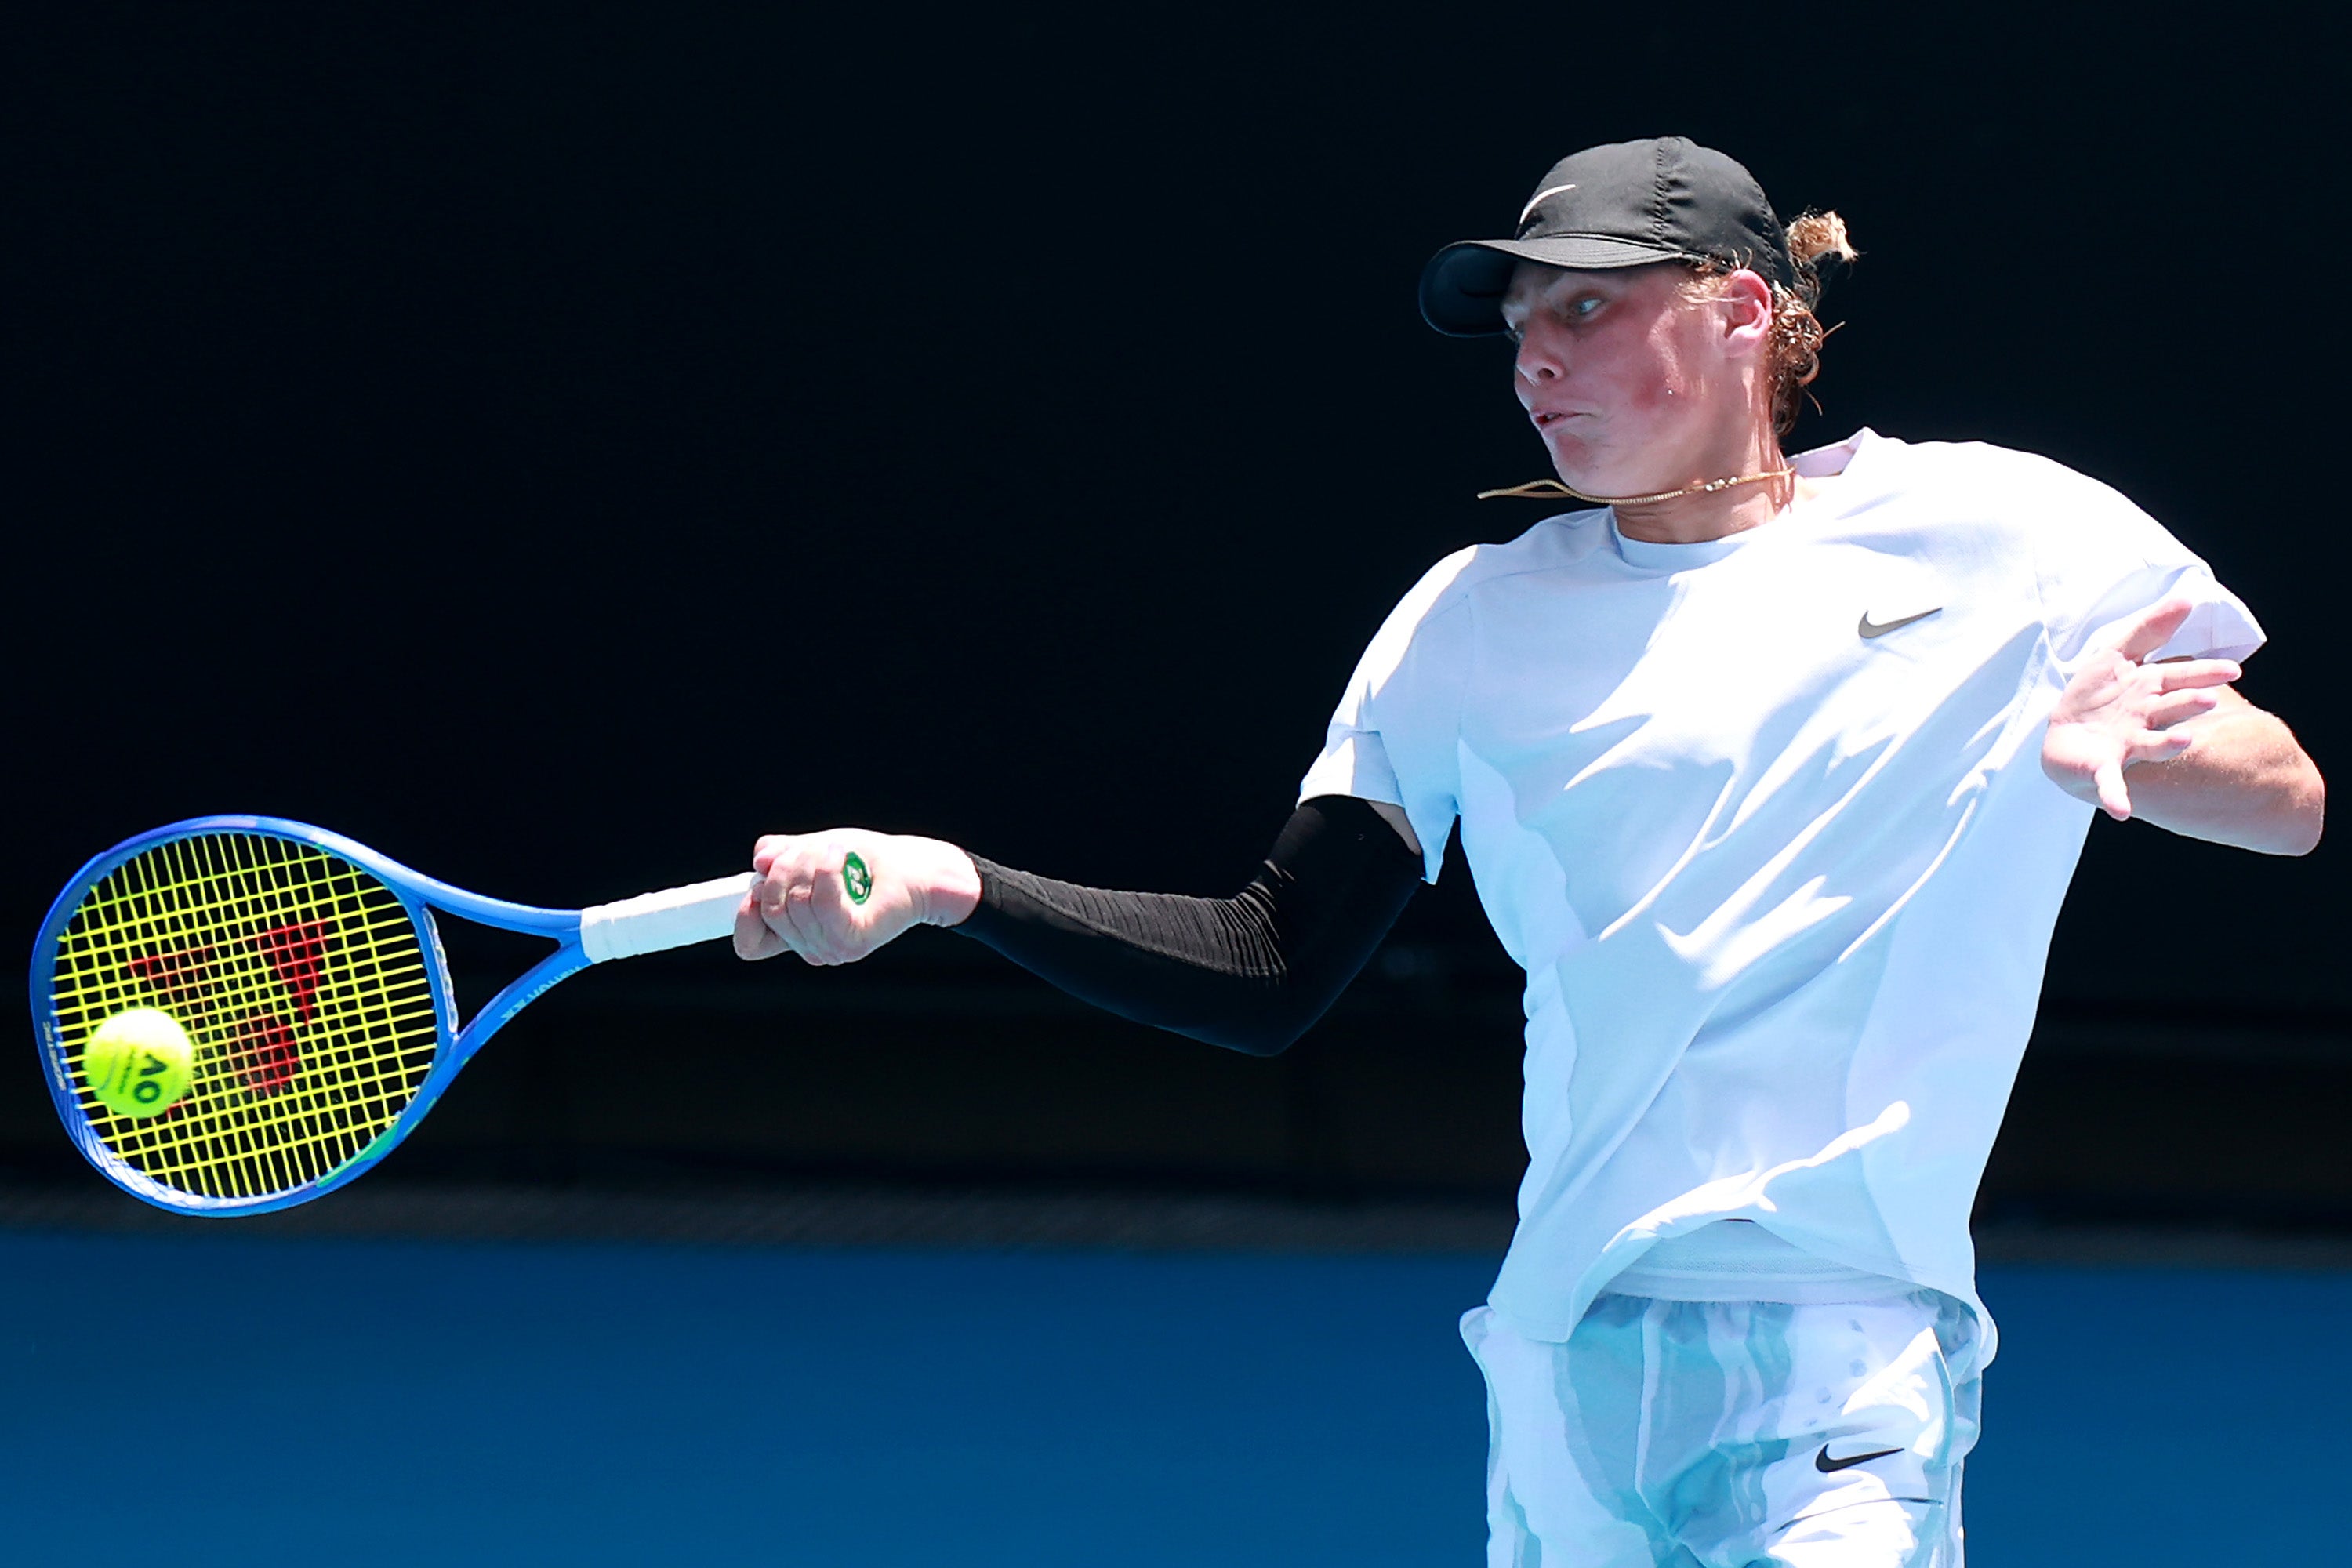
<point>1813,235</point>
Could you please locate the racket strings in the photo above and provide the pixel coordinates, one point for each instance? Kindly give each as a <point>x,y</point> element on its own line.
<point>301,980</point>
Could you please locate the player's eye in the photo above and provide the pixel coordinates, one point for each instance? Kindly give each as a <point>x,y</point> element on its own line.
<point>1582,307</point>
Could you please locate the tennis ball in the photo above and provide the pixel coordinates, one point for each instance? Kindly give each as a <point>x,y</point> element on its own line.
<point>139,1063</point>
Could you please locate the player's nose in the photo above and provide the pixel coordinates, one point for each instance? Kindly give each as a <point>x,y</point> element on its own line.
<point>1537,362</point>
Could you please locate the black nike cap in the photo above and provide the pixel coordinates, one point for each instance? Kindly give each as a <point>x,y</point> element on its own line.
<point>1628,203</point>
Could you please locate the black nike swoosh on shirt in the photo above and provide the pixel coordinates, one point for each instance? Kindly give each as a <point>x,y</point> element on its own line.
<point>1870,628</point>
<point>1829,1467</point>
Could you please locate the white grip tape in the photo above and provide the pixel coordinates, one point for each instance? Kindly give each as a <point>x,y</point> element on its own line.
<point>675,917</point>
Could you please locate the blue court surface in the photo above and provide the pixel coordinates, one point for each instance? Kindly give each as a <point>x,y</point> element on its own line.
<point>223,1401</point>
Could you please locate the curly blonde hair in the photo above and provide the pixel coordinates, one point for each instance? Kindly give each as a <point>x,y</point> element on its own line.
<point>1795,356</point>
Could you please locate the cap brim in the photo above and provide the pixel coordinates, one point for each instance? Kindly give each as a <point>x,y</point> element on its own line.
<point>1461,288</point>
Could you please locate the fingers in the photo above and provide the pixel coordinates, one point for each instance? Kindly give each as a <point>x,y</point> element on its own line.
<point>782,862</point>
<point>804,903</point>
<point>822,917</point>
<point>769,900</point>
<point>2162,746</point>
<point>2189,673</point>
<point>798,899</point>
<point>2113,799</point>
<point>753,940</point>
<point>2179,708</point>
<point>784,909</point>
<point>2153,629</point>
<point>772,894</point>
<point>806,920</point>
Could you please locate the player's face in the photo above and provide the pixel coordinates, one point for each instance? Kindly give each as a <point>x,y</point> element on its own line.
<point>1634,385</point>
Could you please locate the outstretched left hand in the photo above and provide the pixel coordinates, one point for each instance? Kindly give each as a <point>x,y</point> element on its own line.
<point>2119,710</point>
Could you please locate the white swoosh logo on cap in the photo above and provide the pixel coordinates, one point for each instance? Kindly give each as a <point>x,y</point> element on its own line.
<point>1537,200</point>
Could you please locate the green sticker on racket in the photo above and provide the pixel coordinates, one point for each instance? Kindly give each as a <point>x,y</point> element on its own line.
<point>856,880</point>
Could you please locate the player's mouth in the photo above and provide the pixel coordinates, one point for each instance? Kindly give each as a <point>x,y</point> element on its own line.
<point>1546,417</point>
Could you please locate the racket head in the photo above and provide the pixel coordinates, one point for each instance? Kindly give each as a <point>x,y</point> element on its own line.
<point>309,977</point>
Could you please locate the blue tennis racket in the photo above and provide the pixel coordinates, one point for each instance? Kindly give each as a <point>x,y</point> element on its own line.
<point>315,1020</point>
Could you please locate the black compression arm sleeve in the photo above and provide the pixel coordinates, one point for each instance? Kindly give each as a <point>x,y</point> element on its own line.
<point>1251,971</point>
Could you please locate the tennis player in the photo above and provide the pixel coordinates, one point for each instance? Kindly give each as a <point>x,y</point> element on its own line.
<point>1771,772</point>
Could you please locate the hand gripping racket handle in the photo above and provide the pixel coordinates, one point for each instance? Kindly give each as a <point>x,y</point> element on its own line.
<point>675,917</point>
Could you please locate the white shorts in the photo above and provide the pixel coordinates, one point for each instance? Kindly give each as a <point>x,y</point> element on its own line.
<point>1730,1434</point>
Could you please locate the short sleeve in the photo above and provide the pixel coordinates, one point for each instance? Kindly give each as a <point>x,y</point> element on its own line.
<point>2101,560</point>
<point>1392,736</point>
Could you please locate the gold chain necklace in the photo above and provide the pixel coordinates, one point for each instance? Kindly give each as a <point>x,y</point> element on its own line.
<point>1552,489</point>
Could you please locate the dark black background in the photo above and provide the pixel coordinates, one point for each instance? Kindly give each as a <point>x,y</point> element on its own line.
<point>553,445</point>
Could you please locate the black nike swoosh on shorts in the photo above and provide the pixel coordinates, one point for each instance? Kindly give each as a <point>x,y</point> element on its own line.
<point>1829,1467</point>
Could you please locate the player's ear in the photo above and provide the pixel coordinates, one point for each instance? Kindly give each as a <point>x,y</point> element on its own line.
<point>1745,300</point>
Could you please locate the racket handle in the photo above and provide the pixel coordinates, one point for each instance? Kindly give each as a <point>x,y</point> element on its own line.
<point>676,917</point>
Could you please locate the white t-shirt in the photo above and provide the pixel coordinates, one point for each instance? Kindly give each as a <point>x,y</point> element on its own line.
<point>1783,888</point>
